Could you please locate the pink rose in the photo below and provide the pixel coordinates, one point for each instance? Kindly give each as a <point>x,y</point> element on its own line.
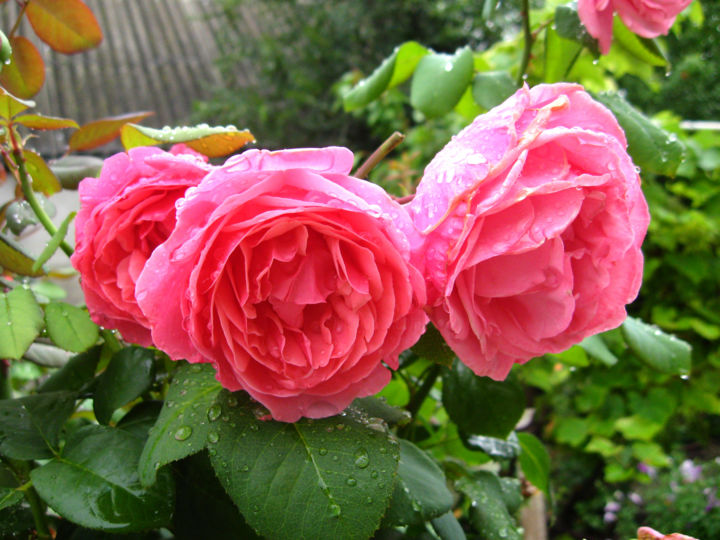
<point>124,215</point>
<point>533,217</point>
<point>646,18</point>
<point>291,277</point>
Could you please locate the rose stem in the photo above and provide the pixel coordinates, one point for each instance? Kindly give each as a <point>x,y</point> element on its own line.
<point>378,155</point>
<point>21,471</point>
<point>419,396</point>
<point>525,13</point>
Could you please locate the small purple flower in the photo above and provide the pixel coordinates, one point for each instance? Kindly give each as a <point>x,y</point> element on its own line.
<point>712,499</point>
<point>612,507</point>
<point>609,517</point>
<point>647,469</point>
<point>689,471</point>
<point>635,498</point>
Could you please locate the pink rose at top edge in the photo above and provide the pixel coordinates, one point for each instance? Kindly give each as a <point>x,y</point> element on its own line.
<point>292,278</point>
<point>125,214</point>
<point>533,219</point>
<point>646,18</point>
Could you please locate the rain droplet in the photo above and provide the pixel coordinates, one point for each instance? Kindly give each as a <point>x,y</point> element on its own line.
<point>369,500</point>
<point>182,433</point>
<point>214,412</point>
<point>361,458</point>
<point>351,482</point>
<point>244,468</point>
<point>213,437</point>
<point>335,510</point>
<point>232,401</point>
<point>322,451</point>
<point>340,427</point>
<point>374,474</point>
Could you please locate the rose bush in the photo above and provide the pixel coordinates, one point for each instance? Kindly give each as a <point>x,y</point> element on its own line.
<point>533,218</point>
<point>646,18</point>
<point>292,278</point>
<point>124,215</point>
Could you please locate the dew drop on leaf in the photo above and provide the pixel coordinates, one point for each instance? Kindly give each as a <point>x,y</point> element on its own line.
<point>182,433</point>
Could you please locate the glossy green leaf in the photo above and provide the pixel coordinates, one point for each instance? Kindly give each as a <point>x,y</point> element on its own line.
<point>70,327</point>
<point>128,375</point>
<point>480,405</point>
<point>489,514</point>
<point>187,418</point>
<point>440,80</point>
<point>560,53</point>
<point>494,447</point>
<point>95,483</point>
<point>447,527</point>
<point>321,479</point>
<point>659,350</point>
<point>43,179</point>
<point>640,49</point>
<point>42,122</point>
<point>432,346</point>
<point>202,508</point>
<point>54,244</point>
<point>535,461</point>
<point>211,141</point>
<point>76,374</point>
<point>491,88</point>
<point>394,70</point>
<point>30,425</point>
<point>420,491</point>
<point>569,26</point>
<point>652,148</point>
<point>141,418</point>
<point>5,49</point>
<point>102,131</point>
<point>20,322</point>
<point>11,105</point>
<point>374,407</point>
<point>10,497</point>
<point>14,259</point>
<point>596,348</point>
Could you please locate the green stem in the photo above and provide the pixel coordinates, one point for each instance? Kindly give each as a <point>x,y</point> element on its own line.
<point>525,13</point>
<point>378,155</point>
<point>21,470</point>
<point>5,388</point>
<point>418,398</point>
<point>19,18</point>
<point>29,194</point>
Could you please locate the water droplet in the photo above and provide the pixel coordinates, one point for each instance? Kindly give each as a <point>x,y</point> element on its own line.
<point>374,474</point>
<point>253,427</point>
<point>361,458</point>
<point>183,433</point>
<point>232,401</point>
<point>335,510</point>
<point>244,468</point>
<point>383,450</point>
<point>214,412</point>
<point>369,500</point>
<point>340,427</point>
<point>213,437</point>
<point>351,482</point>
<point>212,451</point>
<point>322,451</point>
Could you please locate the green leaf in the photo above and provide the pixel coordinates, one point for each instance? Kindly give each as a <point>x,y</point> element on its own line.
<point>128,375</point>
<point>448,527</point>
<point>640,49</point>
<point>187,418</point>
<point>489,513</point>
<point>54,244</point>
<point>569,26</point>
<point>440,80</point>
<point>659,350</point>
<point>574,356</point>
<point>374,407</point>
<point>11,105</point>
<point>571,430</point>
<point>432,346</point>
<point>494,447</point>
<point>14,259</point>
<point>42,122</point>
<point>76,374</point>
<point>652,148</point>
<point>650,453</point>
<point>10,497</point>
<point>141,418</point>
<point>202,508</point>
<point>322,479</point>
<point>43,179</point>
<point>535,462</point>
<point>480,405</point>
<point>420,491</point>
<point>491,88</point>
<point>20,322</point>
<point>70,327</point>
<point>211,141</point>
<point>394,70</point>
<point>30,426</point>
<point>560,53</point>
<point>24,76</point>
<point>95,483</point>
<point>595,347</point>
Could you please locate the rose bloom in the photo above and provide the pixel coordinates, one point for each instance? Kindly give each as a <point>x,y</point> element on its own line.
<point>125,214</point>
<point>292,278</point>
<point>646,18</point>
<point>533,219</point>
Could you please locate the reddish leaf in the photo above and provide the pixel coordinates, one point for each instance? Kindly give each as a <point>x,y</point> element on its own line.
<point>68,26</point>
<point>43,179</point>
<point>99,132</point>
<point>24,76</point>
<point>38,121</point>
<point>212,141</point>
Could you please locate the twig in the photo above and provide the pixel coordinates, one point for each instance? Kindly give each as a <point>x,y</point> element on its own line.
<point>378,155</point>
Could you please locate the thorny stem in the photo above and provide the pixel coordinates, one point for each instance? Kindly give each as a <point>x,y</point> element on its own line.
<point>525,13</point>
<point>30,194</point>
<point>378,155</point>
